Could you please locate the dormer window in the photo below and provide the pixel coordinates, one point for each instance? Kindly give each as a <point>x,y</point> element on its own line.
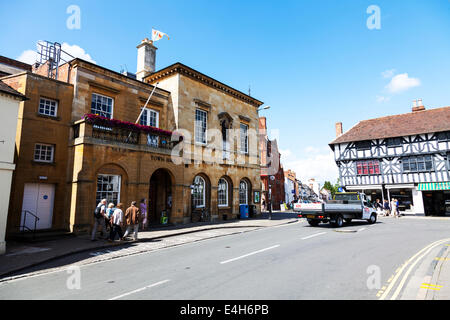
<point>394,142</point>
<point>443,136</point>
<point>363,145</point>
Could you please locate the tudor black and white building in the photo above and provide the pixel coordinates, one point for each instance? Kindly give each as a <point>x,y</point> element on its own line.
<point>404,156</point>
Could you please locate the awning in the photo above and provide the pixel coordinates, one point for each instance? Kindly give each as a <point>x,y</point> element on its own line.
<point>365,187</point>
<point>400,186</point>
<point>434,186</point>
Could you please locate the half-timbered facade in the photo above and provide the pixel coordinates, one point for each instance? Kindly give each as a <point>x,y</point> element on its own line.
<point>405,156</point>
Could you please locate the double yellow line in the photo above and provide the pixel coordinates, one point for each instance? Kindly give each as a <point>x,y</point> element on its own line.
<point>430,286</point>
<point>411,262</point>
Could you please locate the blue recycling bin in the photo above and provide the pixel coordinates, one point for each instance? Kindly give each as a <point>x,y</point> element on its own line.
<point>243,210</point>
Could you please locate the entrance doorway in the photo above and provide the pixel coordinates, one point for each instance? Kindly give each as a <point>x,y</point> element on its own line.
<point>435,202</point>
<point>160,197</point>
<point>38,200</point>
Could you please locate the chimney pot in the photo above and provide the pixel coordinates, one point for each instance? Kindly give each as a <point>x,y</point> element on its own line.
<point>338,129</point>
<point>418,107</point>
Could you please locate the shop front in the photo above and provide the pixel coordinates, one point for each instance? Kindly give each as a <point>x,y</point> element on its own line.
<point>404,193</point>
<point>373,192</point>
<point>436,198</point>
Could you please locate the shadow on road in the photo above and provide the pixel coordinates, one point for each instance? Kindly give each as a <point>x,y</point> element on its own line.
<point>351,224</point>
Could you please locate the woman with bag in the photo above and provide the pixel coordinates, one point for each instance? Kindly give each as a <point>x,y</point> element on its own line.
<point>143,209</point>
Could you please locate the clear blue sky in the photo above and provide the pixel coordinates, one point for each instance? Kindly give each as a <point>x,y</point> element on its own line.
<point>313,62</point>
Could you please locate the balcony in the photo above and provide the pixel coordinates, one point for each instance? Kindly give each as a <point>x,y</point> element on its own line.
<point>94,129</point>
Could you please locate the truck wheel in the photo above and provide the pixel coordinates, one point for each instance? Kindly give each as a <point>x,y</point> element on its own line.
<point>339,222</point>
<point>313,223</point>
<point>373,219</point>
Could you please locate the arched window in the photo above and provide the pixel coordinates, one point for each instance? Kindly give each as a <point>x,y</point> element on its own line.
<point>222,194</point>
<point>198,195</point>
<point>243,192</point>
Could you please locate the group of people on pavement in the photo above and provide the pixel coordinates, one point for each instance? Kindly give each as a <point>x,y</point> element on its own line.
<point>111,219</point>
<point>388,208</point>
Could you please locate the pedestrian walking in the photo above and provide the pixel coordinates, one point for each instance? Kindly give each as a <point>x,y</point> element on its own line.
<point>378,207</point>
<point>116,223</point>
<point>398,208</point>
<point>108,216</point>
<point>394,208</point>
<point>264,205</point>
<point>387,208</point>
<point>143,208</point>
<point>132,220</point>
<point>99,216</point>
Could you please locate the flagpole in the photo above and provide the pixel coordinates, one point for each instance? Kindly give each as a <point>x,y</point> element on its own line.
<point>142,111</point>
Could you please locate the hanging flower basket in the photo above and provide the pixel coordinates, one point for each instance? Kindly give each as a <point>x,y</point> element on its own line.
<point>114,123</point>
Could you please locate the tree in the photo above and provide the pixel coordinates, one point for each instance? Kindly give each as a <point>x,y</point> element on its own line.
<point>332,188</point>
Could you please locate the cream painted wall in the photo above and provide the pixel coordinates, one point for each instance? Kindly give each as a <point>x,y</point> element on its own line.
<point>9,109</point>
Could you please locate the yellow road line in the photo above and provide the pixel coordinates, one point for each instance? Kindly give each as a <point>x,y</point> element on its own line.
<point>402,282</point>
<point>442,259</point>
<point>400,270</point>
<point>431,285</point>
<point>428,288</point>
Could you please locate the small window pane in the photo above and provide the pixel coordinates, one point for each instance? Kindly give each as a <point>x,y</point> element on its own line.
<point>101,105</point>
<point>47,107</point>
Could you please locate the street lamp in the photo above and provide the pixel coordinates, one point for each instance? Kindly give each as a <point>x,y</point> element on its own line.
<point>271,178</point>
<point>263,108</point>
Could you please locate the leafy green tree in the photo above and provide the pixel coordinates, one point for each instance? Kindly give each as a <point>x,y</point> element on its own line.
<point>332,188</point>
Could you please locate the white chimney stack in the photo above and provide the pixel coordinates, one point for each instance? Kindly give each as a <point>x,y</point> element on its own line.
<point>146,59</point>
<point>418,105</point>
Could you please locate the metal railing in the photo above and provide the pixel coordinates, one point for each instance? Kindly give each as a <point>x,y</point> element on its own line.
<point>23,226</point>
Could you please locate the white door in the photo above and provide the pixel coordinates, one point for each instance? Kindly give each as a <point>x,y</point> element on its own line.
<point>38,199</point>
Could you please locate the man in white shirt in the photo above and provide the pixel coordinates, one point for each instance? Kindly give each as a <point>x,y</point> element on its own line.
<point>117,222</point>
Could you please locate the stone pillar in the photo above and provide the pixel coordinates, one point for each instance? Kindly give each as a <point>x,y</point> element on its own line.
<point>83,190</point>
<point>6,172</point>
<point>419,208</point>
<point>177,215</point>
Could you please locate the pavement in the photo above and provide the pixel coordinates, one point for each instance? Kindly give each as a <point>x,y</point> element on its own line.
<point>20,255</point>
<point>439,286</point>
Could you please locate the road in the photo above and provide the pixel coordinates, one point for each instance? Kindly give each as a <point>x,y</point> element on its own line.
<point>295,261</point>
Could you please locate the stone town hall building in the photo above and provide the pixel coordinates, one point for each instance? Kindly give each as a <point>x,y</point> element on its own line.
<point>76,144</point>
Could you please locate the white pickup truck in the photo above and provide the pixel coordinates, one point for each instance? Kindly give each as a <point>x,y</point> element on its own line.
<point>346,206</point>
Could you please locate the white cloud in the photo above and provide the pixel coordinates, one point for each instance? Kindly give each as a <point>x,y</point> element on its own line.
<point>31,56</point>
<point>388,73</point>
<point>77,52</point>
<point>382,99</point>
<point>28,56</point>
<point>315,163</point>
<point>402,82</point>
